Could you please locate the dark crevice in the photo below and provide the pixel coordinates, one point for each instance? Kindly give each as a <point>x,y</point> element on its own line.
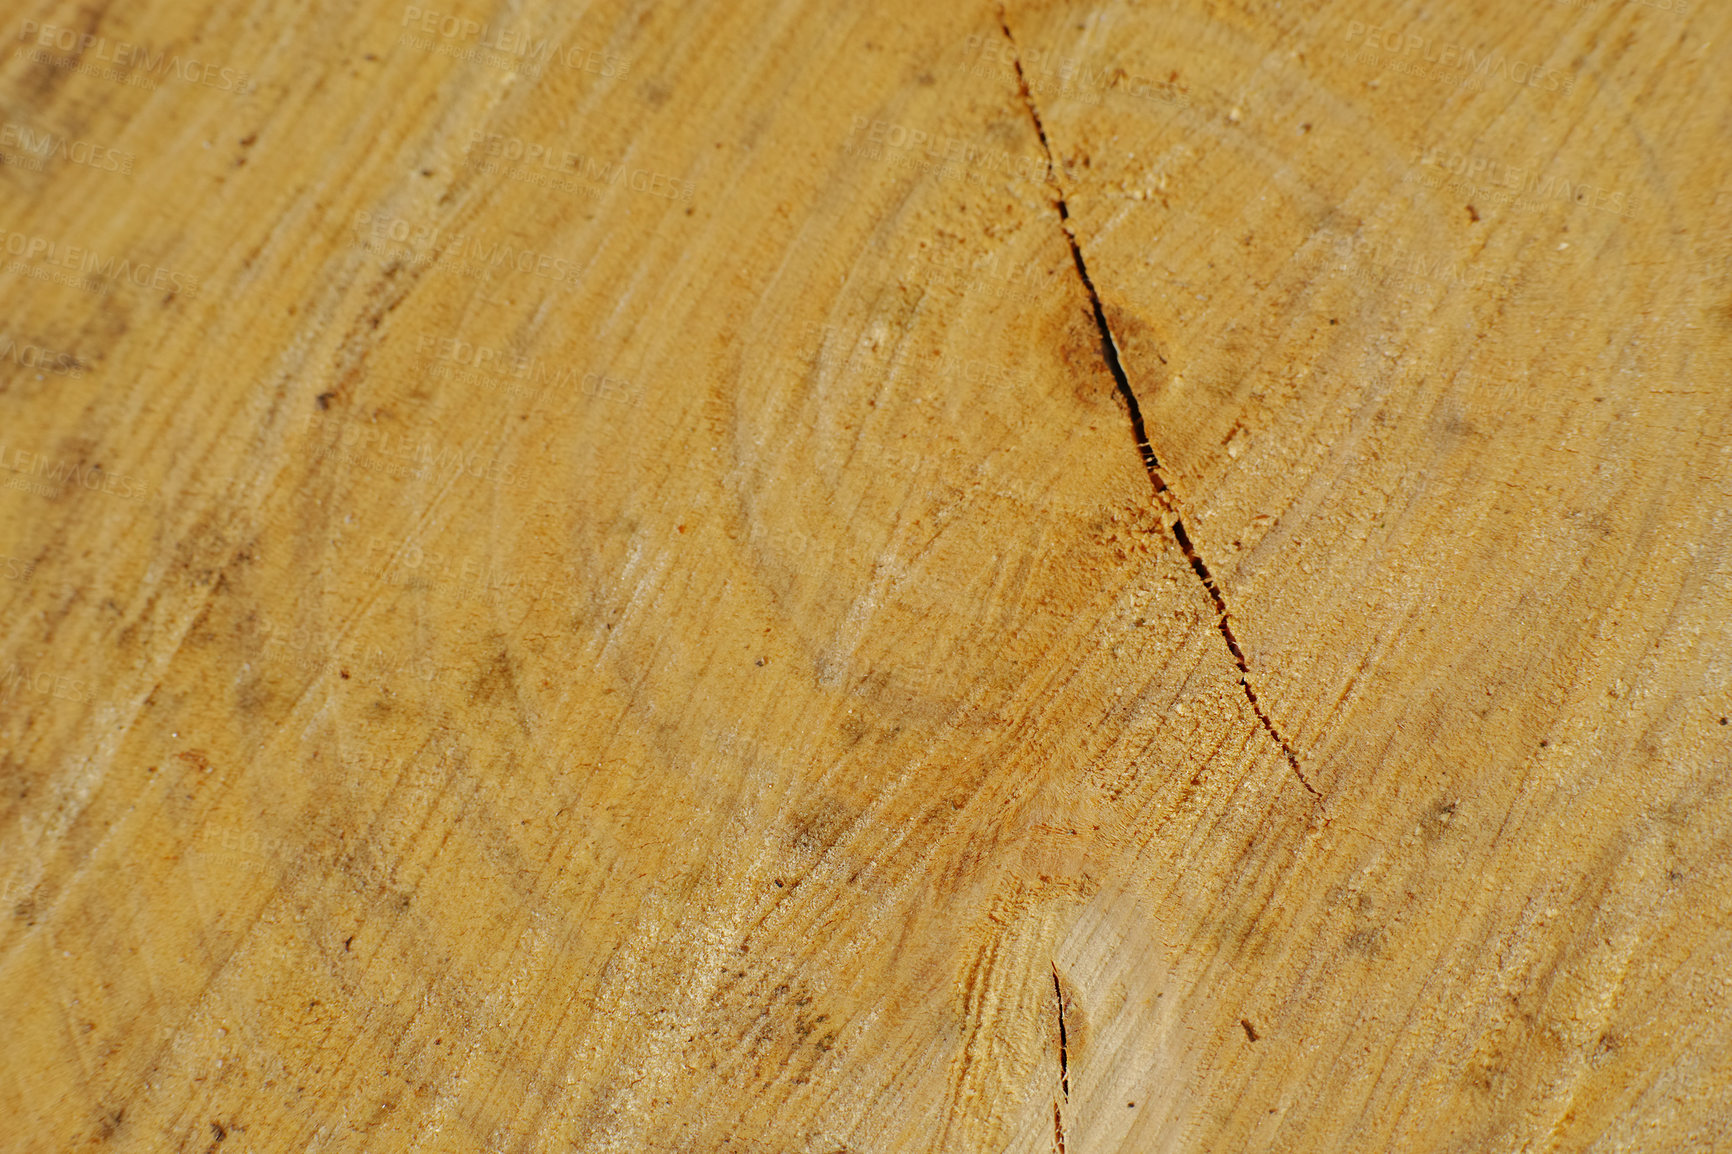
<point>1163,494</point>
<point>1063,1065</point>
<point>1063,1041</point>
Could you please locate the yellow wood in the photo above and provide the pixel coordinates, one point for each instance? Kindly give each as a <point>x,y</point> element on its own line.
<point>584,579</point>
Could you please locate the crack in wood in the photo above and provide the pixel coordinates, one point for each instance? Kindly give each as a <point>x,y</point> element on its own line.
<point>1164,496</point>
<point>1063,1065</point>
<point>1063,1040</point>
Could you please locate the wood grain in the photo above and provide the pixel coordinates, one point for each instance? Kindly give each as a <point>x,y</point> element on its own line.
<point>584,578</point>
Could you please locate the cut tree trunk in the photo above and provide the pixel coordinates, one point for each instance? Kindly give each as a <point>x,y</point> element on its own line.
<point>866,577</point>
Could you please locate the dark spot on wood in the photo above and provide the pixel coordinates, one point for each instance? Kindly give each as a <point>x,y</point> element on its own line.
<point>497,681</point>
<point>1249,1032</point>
<point>1436,822</point>
<point>1365,940</point>
<point>853,728</point>
<point>324,400</point>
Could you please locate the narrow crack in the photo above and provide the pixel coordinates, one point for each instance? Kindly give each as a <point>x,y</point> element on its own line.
<point>1063,1041</point>
<point>1164,496</point>
<point>1063,1065</point>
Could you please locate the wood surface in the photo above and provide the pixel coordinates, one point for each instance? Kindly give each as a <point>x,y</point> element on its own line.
<point>835,577</point>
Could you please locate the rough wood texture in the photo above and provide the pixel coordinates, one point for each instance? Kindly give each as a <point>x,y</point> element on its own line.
<point>584,578</point>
